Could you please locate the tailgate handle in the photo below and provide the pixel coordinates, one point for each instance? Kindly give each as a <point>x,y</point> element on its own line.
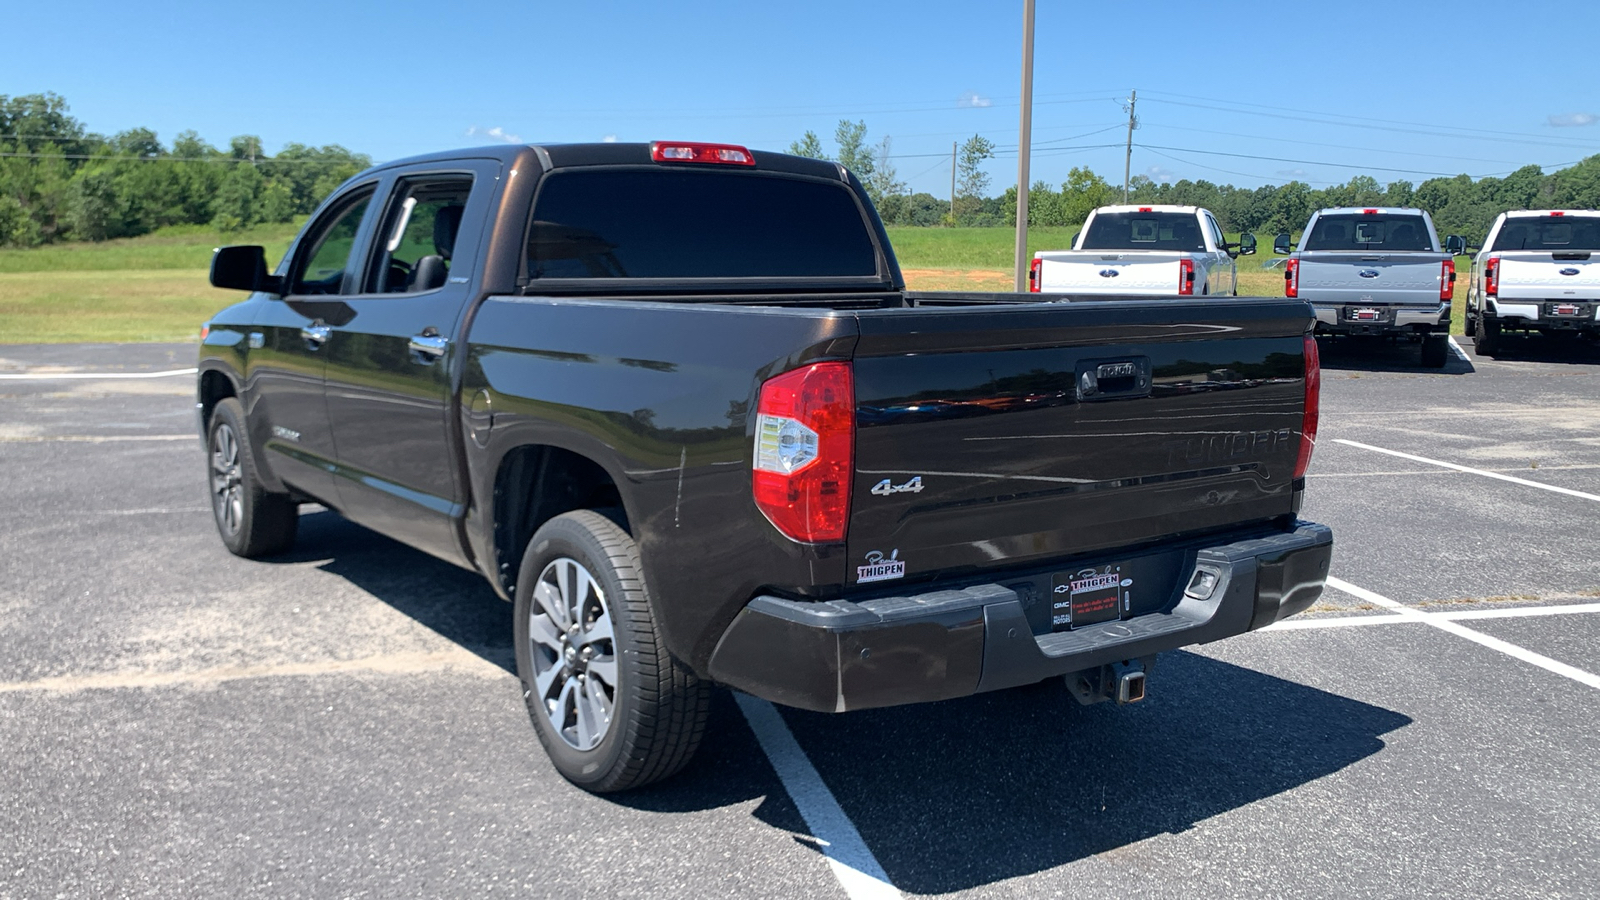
<point>1113,379</point>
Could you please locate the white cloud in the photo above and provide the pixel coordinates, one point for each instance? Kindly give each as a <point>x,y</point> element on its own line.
<point>498,133</point>
<point>1292,173</point>
<point>1573,120</point>
<point>1159,174</point>
<point>609,139</point>
<point>974,100</point>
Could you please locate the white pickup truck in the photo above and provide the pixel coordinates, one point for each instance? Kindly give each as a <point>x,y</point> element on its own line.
<point>1537,271</point>
<point>1143,251</point>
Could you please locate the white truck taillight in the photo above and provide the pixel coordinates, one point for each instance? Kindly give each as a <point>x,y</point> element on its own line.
<point>1034,274</point>
<point>1185,277</point>
<point>1291,278</point>
<point>1447,280</point>
<point>804,451</point>
<point>1491,276</point>
<point>1313,404</point>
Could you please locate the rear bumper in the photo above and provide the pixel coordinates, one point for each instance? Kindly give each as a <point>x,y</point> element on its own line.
<point>1335,319</point>
<point>1544,313</point>
<point>844,655</point>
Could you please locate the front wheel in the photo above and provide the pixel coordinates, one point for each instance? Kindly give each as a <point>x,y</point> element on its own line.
<point>613,709</point>
<point>252,521</point>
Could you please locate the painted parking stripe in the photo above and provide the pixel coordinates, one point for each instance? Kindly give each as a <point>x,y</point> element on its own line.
<point>1515,612</point>
<point>1484,472</point>
<point>1456,349</point>
<point>853,864</point>
<point>91,438</point>
<point>1462,631</point>
<point>93,376</point>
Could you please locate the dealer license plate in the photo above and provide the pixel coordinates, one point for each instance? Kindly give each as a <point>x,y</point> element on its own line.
<point>1566,310</point>
<point>1365,315</point>
<point>1086,597</point>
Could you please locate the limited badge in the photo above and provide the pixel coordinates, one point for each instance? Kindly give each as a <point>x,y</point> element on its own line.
<point>879,568</point>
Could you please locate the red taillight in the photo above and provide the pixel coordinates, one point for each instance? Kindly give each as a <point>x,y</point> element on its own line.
<point>1491,276</point>
<point>684,151</point>
<point>1557,213</point>
<point>1369,212</point>
<point>1291,278</point>
<point>1447,280</point>
<point>1185,277</point>
<point>1034,275</point>
<point>805,444</point>
<point>1146,209</point>
<point>1308,422</point>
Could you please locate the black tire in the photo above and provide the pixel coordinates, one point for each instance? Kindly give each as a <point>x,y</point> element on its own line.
<point>1487,339</point>
<point>252,521</point>
<point>1471,327</point>
<point>655,712</point>
<point>1435,351</point>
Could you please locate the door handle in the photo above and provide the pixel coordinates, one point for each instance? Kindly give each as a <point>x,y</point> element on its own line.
<point>316,333</point>
<point>429,345</point>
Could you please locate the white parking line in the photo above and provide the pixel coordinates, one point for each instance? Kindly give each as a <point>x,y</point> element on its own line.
<point>1515,612</point>
<point>91,438</point>
<point>1485,473</point>
<point>1456,349</point>
<point>1477,637</point>
<point>93,376</point>
<point>853,864</point>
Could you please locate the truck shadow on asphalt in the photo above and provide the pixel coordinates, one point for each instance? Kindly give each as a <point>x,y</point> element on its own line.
<point>959,794</point>
<point>1539,348</point>
<point>456,604</point>
<point>1369,354</point>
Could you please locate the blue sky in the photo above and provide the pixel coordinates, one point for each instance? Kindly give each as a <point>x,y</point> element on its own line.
<point>1395,91</point>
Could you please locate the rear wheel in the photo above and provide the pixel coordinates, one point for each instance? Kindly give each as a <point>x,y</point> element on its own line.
<point>1471,324</point>
<point>1435,351</point>
<point>252,521</point>
<point>1487,340</point>
<point>612,707</point>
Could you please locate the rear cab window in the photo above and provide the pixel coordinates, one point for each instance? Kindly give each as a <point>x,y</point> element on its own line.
<point>1144,231</point>
<point>663,223</point>
<point>1553,233</point>
<point>1356,231</point>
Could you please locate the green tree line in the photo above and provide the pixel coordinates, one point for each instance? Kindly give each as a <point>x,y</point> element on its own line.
<point>60,182</point>
<point>1459,205</point>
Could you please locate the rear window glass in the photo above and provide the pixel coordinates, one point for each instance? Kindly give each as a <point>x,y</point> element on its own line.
<point>1357,232</point>
<point>1144,231</point>
<point>1554,233</point>
<point>690,224</point>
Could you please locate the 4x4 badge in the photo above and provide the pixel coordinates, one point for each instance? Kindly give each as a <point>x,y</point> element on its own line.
<point>886,487</point>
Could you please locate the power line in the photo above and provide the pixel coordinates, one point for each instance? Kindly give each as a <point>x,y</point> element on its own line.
<point>1313,162</point>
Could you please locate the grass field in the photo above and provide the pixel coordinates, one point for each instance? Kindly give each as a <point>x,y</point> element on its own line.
<point>154,288</point>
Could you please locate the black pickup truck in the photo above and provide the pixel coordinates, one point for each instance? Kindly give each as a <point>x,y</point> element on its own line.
<point>675,403</point>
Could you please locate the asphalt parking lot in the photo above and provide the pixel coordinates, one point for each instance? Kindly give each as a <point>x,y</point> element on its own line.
<point>342,722</point>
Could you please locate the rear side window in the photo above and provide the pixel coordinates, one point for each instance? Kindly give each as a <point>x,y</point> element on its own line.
<point>619,223</point>
<point>1554,233</point>
<point>1378,232</point>
<point>1144,231</point>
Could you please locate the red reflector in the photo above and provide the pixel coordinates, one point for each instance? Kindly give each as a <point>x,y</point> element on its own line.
<point>205,331</point>
<point>1308,421</point>
<point>1491,276</point>
<point>1034,274</point>
<point>683,151</point>
<point>1291,278</point>
<point>1369,212</point>
<point>1185,277</point>
<point>1146,209</point>
<point>804,449</point>
<point>1447,280</point>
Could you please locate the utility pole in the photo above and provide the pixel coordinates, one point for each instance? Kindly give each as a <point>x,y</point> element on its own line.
<point>952,183</point>
<point>1024,145</point>
<point>1127,161</point>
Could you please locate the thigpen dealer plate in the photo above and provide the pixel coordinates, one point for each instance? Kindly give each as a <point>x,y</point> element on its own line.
<point>1087,596</point>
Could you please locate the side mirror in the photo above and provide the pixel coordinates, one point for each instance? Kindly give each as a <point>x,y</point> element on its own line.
<point>1455,244</point>
<point>243,269</point>
<point>1247,244</point>
<point>1280,244</point>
